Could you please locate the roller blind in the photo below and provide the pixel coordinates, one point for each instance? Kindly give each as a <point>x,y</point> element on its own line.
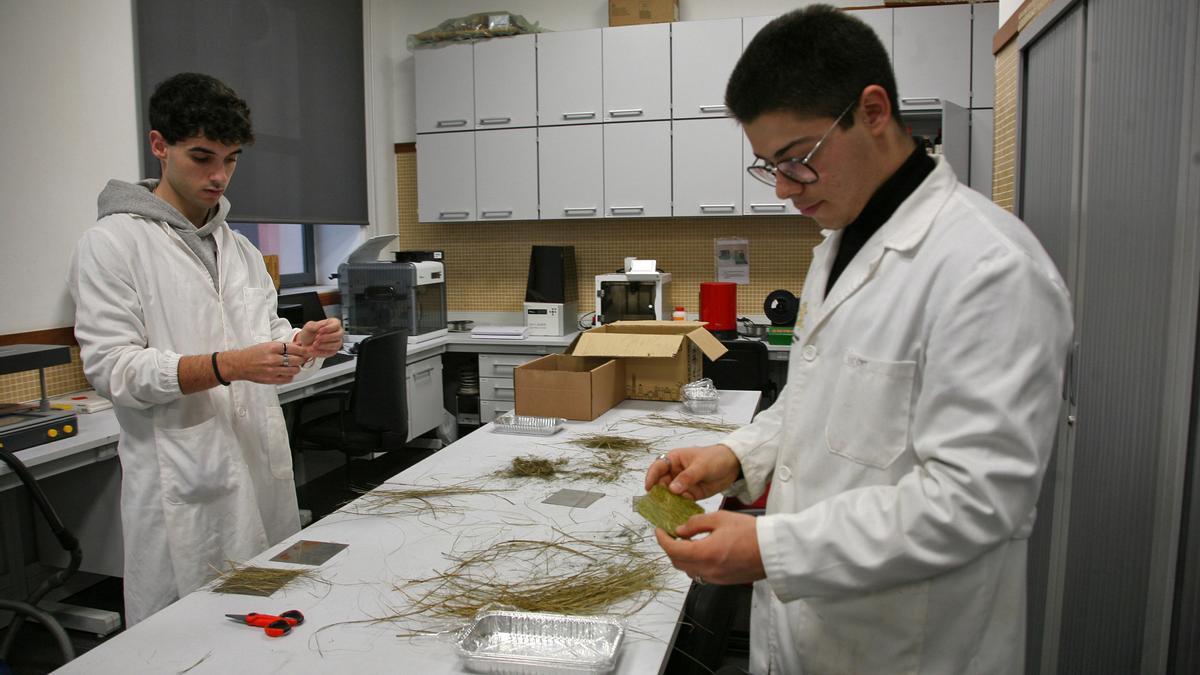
<point>299,66</point>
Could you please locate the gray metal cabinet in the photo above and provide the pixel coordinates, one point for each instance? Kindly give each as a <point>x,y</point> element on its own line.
<point>1109,181</point>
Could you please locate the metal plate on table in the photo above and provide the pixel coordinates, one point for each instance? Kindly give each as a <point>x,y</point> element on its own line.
<point>537,643</point>
<point>579,499</point>
<point>306,552</point>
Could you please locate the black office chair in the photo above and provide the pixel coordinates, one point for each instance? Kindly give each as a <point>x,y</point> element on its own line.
<point>745,366</point>
<point>372,414</point>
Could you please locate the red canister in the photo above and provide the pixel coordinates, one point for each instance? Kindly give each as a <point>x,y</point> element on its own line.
<point>718,305</point>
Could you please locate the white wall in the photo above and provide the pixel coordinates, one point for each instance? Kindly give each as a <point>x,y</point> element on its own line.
<point>68,123</point>
<point>391,107</point>
<point>1007,8</point>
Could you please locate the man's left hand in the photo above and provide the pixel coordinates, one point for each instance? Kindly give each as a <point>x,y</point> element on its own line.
<point>324,338</point>
<point>728,555</point>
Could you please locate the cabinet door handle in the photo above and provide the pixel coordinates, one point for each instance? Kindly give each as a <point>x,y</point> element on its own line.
<point>579,210</point>
<point>451,123</point>
<point>499,388</point>
<point>579,116</point>
<point>716,208</point>
<point>496,214</point>
<point>934,100</point>
<point>768,207</point>
<point>427,373</point>
<point>453,215</point>
<point>628,112</point>
<point>713,109</point>
<point>495,120</point>
<point>626,210</point>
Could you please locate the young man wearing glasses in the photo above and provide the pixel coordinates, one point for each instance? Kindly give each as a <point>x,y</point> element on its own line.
<point>906,453</point>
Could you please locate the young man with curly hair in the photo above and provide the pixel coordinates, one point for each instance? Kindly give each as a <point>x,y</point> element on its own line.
<point>176,320</point>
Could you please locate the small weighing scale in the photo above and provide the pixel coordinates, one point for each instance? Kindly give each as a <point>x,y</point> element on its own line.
<point>24,425</point>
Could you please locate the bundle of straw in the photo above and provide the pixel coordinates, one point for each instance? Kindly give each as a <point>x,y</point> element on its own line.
<point>661,421</point>
<point>529,466</point>
<point>414,499</point>
<point>261,581</point>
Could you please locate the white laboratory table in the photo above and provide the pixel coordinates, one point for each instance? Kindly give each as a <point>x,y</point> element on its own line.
<point>193,634</point>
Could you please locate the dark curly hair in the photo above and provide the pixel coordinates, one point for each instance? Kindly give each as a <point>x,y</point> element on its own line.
<point>193,104</point>
<point>811,62</point>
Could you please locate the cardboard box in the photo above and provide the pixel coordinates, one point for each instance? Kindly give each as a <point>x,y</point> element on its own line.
<point>631,12</point>
<point>659,356</point>
<point>573,387</point>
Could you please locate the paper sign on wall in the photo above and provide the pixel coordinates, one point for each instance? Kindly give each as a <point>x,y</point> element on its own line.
<point>733,260</point>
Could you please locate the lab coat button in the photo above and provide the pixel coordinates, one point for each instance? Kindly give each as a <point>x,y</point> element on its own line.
<point>785,474</point>
<point>809,352</point>
<point>241,412</point>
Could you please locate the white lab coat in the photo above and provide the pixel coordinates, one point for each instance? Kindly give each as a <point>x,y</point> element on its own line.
<point>906,451</point>
<point>206,477</point>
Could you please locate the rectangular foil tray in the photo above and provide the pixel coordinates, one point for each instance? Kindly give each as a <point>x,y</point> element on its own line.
<point>528,425</point>
<point>535,643</point>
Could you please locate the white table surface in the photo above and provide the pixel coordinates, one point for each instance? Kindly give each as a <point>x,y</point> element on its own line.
<point>193,634</point>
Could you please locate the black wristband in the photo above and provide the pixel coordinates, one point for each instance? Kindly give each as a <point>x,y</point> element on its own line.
<point>216,371</point>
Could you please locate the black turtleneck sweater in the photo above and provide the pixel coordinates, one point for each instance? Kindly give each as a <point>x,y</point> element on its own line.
<point>879,208</point>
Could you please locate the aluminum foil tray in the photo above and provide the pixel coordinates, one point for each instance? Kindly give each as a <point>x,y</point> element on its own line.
<point>534,643</point>
<point>512,423</point>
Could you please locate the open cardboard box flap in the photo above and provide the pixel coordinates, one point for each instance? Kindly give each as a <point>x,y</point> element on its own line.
<point>630,339</point>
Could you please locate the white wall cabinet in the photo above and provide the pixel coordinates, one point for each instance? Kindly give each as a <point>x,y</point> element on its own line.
<point>637,169</point>
<point>931,47</point>
<point>571,168</point>
<point>758,198</point>
<point>569,77</point>
<point>505,82</point>
<point>506,173</point>
<point>446,177</point>
<point>703,54</point>
<point>750,27</point>
<point>423,382</point>
<point>984,24</point>
<point>707,167</point>
<point>444,82</point>
<point>882,22</point>
<point>637,72</point>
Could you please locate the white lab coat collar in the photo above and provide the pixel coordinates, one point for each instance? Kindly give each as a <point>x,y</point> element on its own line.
<point>901,233</point>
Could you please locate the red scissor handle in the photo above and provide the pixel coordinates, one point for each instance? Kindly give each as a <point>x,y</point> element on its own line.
<point>274,625</point>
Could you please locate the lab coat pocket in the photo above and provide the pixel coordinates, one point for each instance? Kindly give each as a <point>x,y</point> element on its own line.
<point>258,312</point>
<point>275,441</point>
<point>194,463</point>
<point>868,417</point>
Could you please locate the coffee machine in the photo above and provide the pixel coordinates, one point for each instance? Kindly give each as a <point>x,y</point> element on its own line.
<point>641,292</point>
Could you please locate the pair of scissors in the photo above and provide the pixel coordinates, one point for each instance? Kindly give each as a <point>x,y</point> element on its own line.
<point>275,625</point>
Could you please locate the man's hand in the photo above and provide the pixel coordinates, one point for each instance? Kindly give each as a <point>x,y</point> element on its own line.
<point>695,472</point>
<point>265,363</point>
<point>322,338</point>
<point>728,555</point>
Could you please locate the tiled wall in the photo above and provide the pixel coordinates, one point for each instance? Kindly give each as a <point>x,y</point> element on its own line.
<point>487,263</point>
<point>60,380</point>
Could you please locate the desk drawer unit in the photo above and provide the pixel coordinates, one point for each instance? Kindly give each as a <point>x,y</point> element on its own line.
<point>424,382</point>
<point>496,390</point>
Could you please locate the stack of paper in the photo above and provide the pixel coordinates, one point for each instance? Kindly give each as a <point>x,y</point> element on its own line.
<point>499,332</point>
<point>87,401</point>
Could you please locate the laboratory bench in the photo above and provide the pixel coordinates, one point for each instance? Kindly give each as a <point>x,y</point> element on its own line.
<point>360,582</point>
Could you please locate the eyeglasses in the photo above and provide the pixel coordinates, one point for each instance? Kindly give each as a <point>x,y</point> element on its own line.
<point>797,170</point>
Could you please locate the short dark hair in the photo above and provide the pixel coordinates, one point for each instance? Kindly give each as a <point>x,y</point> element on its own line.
<point>194,104</point>
<point>812,62</point>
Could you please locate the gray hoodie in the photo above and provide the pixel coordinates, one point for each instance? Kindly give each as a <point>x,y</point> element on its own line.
<point>139,199</point>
